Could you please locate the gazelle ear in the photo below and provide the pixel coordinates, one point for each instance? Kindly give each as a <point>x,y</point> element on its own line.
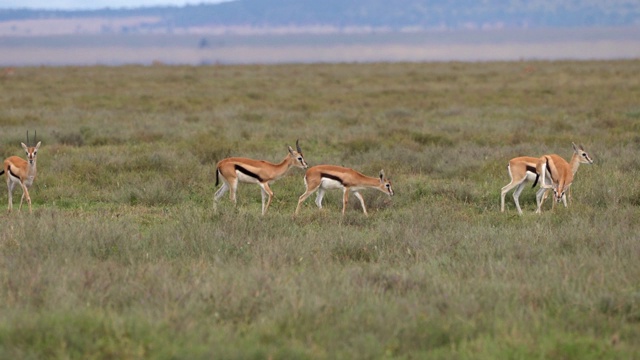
<point>38,145</point>
<point>575,147</point>
<point>25,147</point>
<point>290,149</point>
<point>381,176</point>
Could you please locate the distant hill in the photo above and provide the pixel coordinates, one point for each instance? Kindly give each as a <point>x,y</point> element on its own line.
<point>371,14</point>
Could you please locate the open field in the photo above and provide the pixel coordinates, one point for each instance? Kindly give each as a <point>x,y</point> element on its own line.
<point>124,257</point>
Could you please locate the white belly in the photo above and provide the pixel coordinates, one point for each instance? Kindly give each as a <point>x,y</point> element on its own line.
<point>531,176</point>
<point>329,184</point>
<point>246,178</point>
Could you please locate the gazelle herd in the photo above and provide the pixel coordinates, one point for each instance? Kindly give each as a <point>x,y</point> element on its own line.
<point>552,171</point>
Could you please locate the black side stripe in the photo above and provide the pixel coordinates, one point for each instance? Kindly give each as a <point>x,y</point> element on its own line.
<point>332,177</point>
<point>248,173</point>
<point>533,170</point>
<point>12,174</point>
<point>538,175</point>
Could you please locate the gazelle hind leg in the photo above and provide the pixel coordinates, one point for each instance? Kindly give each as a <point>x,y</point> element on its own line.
<point>10,186</point>
<point>516,197</point>
<point>506,189</point>
<point>308,191</point>
<point>219,194</point>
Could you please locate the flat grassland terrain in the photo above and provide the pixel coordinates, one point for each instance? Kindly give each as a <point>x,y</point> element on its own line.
<point>124,256</point>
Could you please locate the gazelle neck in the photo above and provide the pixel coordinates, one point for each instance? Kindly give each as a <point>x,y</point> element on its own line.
<point>284,166</point>
<point>575,163</point>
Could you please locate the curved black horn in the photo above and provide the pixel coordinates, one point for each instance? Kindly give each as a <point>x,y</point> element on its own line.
<point>35,137</point>
<point>27,137</point>
<point>298,146</point>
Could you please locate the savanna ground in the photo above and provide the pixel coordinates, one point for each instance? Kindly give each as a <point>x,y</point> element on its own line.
<point>124,257</point>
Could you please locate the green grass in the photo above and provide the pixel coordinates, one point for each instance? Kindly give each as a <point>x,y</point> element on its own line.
<point>124,256</point>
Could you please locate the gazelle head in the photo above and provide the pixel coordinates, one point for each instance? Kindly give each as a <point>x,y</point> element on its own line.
<point>385,184</point>
<point>32,151</point>
<point>559,191</point>
<point>296,156</point>
<point>583,156</point>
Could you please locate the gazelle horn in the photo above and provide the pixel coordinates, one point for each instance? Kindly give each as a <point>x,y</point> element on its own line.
<point>298,146</point>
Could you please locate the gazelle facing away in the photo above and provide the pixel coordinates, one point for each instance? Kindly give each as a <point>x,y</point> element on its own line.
<point>555,169</point>
<point>238,169</point>
<point>327,177</point>
<point>521,170</point>
<point>20,171</point>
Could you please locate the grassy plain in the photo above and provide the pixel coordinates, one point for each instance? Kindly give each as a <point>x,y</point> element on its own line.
<point>124,257</point>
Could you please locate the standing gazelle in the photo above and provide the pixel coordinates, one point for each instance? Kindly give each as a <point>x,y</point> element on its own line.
<point>20,171</point>
<point>559,173</point>
<point>521,170</point>
<point>238,169</point>
<point>524,169</point>
<point>327,177</point>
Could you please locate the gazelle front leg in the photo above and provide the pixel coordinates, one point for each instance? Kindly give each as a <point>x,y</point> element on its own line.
<point>539,199</point>
<point>25,193</point>
<point>319,197</point>
<point>345,199</point>
<point>359,196</point>
<point>266,193</point>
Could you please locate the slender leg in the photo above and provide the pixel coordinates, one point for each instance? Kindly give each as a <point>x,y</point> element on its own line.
<point>345,199</point>
<point>319,197</point>
<point>539,195</point>
<point>218,195</point>
<point>10,185</point>
<point>233,188</point>
<point>516,196</point>
<point>304,196</point>
<point>266,191</point>
<point>25,193</point>
<point>357,194</point>
<point>508,188</point>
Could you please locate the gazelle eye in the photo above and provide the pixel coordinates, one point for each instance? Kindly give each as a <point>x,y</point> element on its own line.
<point>300,158</point>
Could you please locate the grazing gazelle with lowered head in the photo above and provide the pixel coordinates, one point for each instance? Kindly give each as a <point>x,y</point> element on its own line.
<point>560,173</point>
<point>20,171</point>
<point>327,177</point>
<point>237,169</point>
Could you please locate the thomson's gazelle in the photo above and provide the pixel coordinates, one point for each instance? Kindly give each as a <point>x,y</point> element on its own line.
<point>327,177</point>
<point>237,169</point>
<point>559,173</point>
<point>20,171</point>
